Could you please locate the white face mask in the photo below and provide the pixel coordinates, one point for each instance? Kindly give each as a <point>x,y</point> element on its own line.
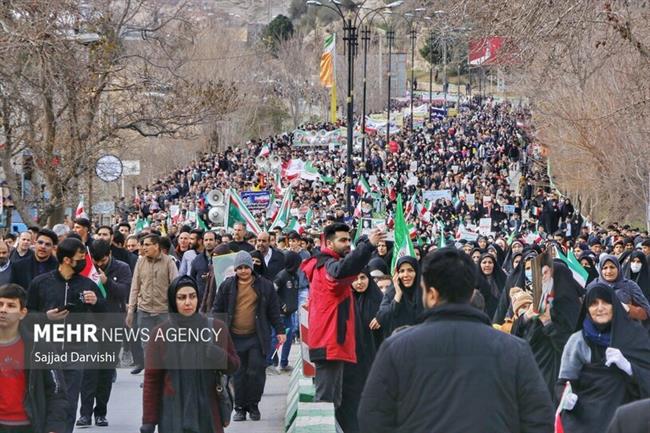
<point>635,267</point>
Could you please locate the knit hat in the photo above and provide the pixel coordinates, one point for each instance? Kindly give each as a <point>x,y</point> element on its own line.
<point>243,258</point>
<point>520,299</point>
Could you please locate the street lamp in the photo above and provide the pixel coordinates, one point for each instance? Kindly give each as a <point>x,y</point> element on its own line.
<point>350,23</point>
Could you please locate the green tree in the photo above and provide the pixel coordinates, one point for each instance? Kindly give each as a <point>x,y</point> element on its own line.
<point>280,29</point>
<point>432,50</point>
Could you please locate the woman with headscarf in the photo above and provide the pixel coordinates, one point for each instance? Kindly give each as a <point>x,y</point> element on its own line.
<point>491,282</point>
<point>367,298</point>
<point>521,277</point>
<point>636,269</point>
<point>402,302</point>
<point>259,265</point>
<point>587,262</point>
<point>606,362</point>
<point>548,327</point>
<point>627,291</point>
<point>497,252</point>
<point>180,379</point>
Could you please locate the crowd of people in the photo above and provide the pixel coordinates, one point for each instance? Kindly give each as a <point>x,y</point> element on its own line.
<point>401,342</point>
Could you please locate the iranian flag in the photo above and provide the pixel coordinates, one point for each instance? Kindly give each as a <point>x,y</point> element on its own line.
<point>80,212</point>
<point>309,172</point>
<point>363,187</point>
<point>236,211</point>
<point>442,242</point>
<point>403,245</point>
<point>90,271</point>
<point>579,273</point>
<point>567,402</point>
<point>309,217</point>
<point>265,151</point>
<point>292,169</point>
<point>327,78</point>
<point>281,217</point>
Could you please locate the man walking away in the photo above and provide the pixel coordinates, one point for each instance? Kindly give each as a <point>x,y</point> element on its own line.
<point>454,373</point>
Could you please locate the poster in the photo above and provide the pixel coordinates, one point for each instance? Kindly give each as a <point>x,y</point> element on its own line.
<point>367,224</point>
<point>256,200</point>
<point>485,226</point>
<point>434,195</point>
<point>223,267</point>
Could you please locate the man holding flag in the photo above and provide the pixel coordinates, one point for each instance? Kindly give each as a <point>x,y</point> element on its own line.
<point>114,277</point>
<point>59,293</point>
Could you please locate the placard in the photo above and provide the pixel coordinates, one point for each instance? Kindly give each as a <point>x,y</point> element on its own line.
<point>485,226</point>
<point>256,200</point>
<point>434,195</point>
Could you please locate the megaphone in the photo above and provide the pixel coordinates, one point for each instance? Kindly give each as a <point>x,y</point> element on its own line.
<point>275,161</point>
<point>216,215</point>
<point>215,198</point>
<point>262,162</point>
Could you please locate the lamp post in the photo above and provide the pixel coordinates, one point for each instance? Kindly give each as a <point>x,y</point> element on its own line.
<point>390,36</point>
<point>353,20</point>
<point>365,37</point>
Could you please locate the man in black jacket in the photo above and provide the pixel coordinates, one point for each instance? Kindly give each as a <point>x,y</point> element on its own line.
<point>42,261</point>
<point>287,283</point>
<point>201,266</point>
<point>454,372</point>
<point>631,418</point>
<point>273,258</point>
<point>59,293</point>
<point>252,307</point>
<point>33,400</point>
<point>97,384</point>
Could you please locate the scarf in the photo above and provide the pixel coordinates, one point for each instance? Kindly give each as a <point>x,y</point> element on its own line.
<point>592,334</point>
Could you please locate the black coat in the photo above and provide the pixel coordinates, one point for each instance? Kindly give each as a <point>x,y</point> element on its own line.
<point>123,255</point>
<point>200,266</point>
<point>118,286</point>
<point>631,418</point>
<point>24,271</point>
<point>287,285</point>
<point>455,373</point>
<point>267,314</point>
<point>45,400</point>
<point>276,264</point>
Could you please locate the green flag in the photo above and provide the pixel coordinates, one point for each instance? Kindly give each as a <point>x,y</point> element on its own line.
<point>238,212</point>
<point>403,245</point>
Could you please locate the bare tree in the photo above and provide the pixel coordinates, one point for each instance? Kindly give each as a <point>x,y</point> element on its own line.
<point>76,78</point>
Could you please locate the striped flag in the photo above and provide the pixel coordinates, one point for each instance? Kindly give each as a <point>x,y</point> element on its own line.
<point>327,78</point>
<point>565,404</point>
<point>81,211</point>
<point>363,187</point>
<point>579,273</point>
<point>403,245</point>
<point>236,211</point>
<point>91,272</point>
<point>281,218</point>
<point>265,151</point>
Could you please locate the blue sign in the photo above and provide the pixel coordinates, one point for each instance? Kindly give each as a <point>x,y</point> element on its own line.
<point>256,200</point>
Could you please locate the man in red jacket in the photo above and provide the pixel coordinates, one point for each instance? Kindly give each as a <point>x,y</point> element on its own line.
<point>331,309</point>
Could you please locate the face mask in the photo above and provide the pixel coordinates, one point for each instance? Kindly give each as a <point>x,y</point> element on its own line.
<point>81,264</point>
<point>635,267</point>
<point>529,274</point>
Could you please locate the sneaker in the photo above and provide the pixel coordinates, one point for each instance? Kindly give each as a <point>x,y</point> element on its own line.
<point>101,421</point>
<point>254,413</point>
<point>83,421</point>
<point>137,370</point>
<point>286,369</point>
<point>272,370</point>
<point>240,414</point>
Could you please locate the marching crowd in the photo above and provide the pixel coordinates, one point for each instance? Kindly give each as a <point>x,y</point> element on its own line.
<point>401,342</point>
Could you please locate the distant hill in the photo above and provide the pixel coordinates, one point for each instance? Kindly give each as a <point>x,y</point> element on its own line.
<point>250,11</point>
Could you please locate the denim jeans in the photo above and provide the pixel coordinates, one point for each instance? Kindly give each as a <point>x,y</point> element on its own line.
<point>286,347</point>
